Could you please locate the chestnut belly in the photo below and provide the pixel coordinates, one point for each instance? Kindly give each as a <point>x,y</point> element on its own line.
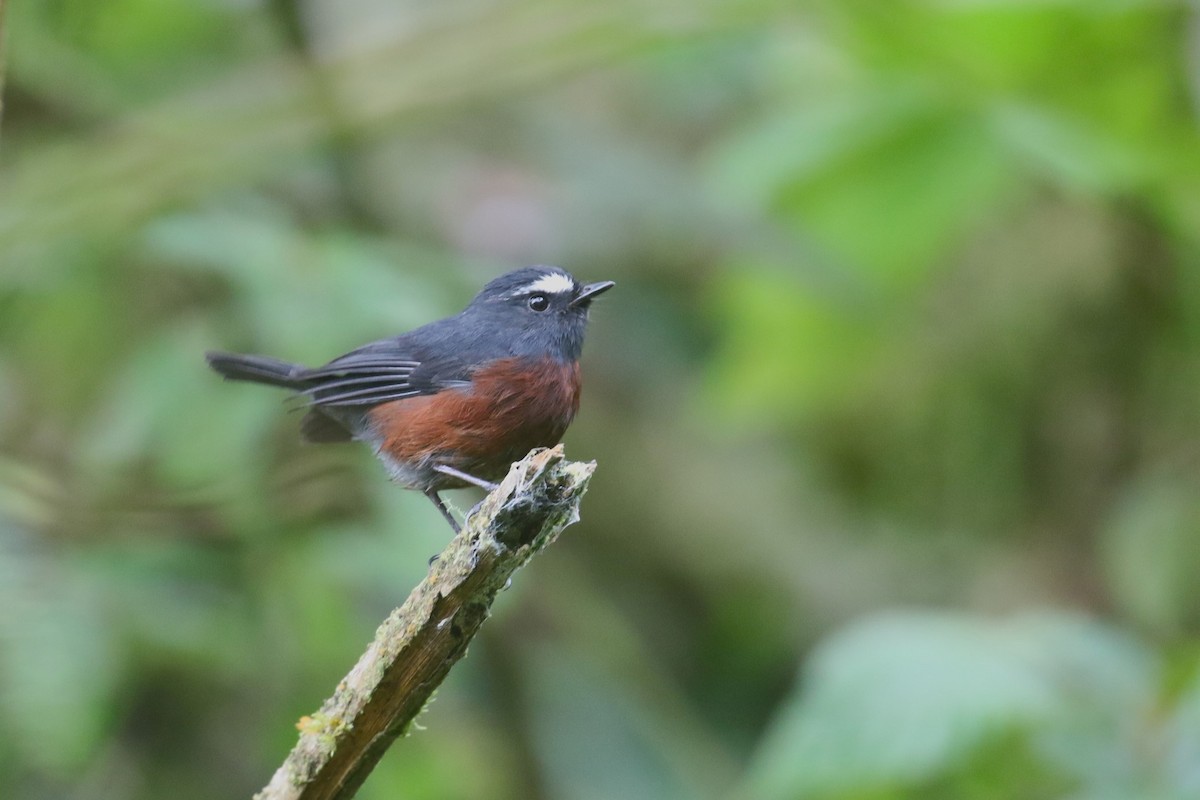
<point>510,407</point>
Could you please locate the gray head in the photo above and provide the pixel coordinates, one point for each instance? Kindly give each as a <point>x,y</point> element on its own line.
<point>537,311</point>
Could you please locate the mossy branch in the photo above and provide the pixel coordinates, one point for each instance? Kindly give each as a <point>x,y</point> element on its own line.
<point>416,646</point>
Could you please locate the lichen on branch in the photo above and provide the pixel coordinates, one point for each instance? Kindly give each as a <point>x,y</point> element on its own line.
<point>415,647</point>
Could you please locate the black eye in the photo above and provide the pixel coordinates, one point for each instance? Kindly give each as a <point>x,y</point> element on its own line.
<point>539,302</point>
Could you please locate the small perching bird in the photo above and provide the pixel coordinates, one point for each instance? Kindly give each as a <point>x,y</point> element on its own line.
<point>455,402</point>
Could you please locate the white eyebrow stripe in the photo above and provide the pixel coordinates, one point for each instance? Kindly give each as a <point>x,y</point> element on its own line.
<point>550,283</point>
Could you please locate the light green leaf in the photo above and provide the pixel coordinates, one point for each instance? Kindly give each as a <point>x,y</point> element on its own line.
<point>901,697</point>
<point>885,182</point>
<point>1078,158</point>
<point>798,142</point>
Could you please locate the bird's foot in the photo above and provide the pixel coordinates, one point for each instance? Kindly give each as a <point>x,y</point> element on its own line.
<point>487,486</point>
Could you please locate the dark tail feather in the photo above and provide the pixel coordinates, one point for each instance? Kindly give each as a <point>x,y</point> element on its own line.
<point>258,369</point>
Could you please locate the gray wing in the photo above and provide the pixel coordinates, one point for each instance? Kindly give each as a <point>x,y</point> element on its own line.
<point>378,373</point>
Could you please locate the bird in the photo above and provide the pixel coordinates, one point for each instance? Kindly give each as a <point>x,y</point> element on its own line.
<point>453,403</point>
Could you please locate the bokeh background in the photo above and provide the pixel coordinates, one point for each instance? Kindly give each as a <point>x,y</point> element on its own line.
<point>896,404</point>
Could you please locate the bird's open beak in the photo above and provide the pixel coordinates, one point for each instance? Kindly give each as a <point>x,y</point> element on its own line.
<point>590,292</point>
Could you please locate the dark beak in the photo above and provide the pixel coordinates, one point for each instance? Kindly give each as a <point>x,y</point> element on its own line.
<point>590,292</point>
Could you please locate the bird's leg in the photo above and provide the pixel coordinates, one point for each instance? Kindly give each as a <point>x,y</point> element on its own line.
<point>487,486</point>
<point>437,501</point>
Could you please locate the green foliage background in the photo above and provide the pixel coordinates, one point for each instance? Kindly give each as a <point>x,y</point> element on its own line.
<point>896,403</point>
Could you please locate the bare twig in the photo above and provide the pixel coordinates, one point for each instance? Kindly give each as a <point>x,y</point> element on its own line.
<point>416,646</point>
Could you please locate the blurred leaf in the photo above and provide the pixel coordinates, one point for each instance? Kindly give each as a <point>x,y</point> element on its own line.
<point>592,739</point>
<point>1151,550</point>
<point>167,402</point>
<point>174,599</point>
<point>1068,153</point>
<point>788,348</point>
<point>59,662</point>
<point>754,164</point>
<point>847,173</point>
<point>901,697</point>
<point>866,211</point>
<point>304,292</point>
<point>68,337</point>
